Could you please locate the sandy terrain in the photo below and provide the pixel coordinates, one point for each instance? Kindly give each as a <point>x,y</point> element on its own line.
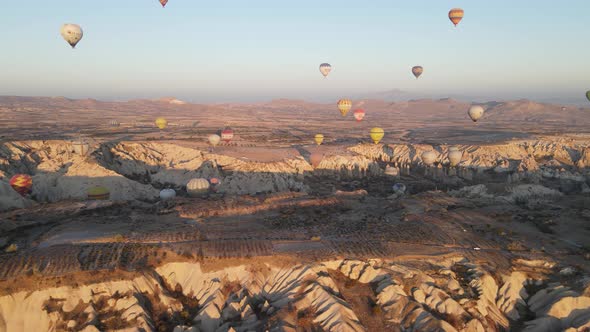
<point>500,242</point>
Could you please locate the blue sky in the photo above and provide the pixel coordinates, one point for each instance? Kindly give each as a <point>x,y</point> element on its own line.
<point>236,50</point>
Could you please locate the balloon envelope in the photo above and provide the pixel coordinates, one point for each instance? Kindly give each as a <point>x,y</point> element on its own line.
<point>227,135</point>
<point>98,193</point>
<point>344,105</point>
<point>399,188</point>
<point>377,135</point>
<point>318,138</point>
<point>163,2</point>
<point>22,184</point>
<point>359,115</point>
<point>476,112</point>
<point>161,123</point>
<point>196,187</point>
<point>417,71</point>
<point>72,33</point>
<point>588,95</point>
<point>315,159</point>
<point>167,194</point>
<point>456,15</point>
<point>428,157</point>
<point>455,157</point>
<point>325,69</point>
<point>214,139</point>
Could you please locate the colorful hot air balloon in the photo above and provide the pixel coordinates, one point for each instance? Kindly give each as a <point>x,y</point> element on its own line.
<point>476,112</point>
<point>588,95</point>
<point>428,157</point>
<point>417,71</point>
<point>359,114</point>
<point>456,15</point>
<point>214,183</point>
<point>161,123</point>
<point>377,134</point>
<point>227,134</point>
<point>318,138</point>
<point>22,184</point>
<point>163,3</point>
<point>99,193</point>
<point>214,139</point>
<point>325,69</point>
<point>197,187</point>
<point>72,33</point>
<point>344,105</point>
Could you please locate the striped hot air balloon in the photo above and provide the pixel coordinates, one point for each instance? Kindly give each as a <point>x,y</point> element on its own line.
<point>227,135</point>
<point>318,138</point>
<point>456,15</point>
<point>359,114</point>
<point>417,71</point>
<point>99,193</point>
<point>344,105</point>
<point>22,184</point>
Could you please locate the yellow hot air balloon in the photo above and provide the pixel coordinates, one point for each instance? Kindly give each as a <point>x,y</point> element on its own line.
<point>161,123</point>
<point>318,138</point>
<point>344,105</point>
<point>377,134</point>
<point>72,33</point>
<point>98,193</point>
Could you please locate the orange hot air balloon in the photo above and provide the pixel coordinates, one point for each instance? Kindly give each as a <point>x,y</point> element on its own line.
<point>163,3</point>
<point>359,115</point>
<point>456,15</point>
<point>22,184</point>
<point>315,159</point>
<point>344,105</point>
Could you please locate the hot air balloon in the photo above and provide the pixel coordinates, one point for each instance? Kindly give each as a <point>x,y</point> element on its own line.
<point>72,33</point>
<point>98,193</point>
<point>344,105</point>
<point>163,3</point>
<point>417,71</point>
<point>166,194</point>
<point>214,183</point>
<point>227,134</point>
<point>80,147</point>
<point>456,15</point>
<point>114,123</point>
<point>161,123</point>
<point>315,159</point>
<point>455,156</point>
<point>588,95</point>
<point>318,138</point>
<point>428,157</point>
<point>359,114</point>
<point>197,187</point>
<point>325,69</point>
<point>476,112</point>
<point>214,139</point>
<point>22,184</point>
<point>377,134</point>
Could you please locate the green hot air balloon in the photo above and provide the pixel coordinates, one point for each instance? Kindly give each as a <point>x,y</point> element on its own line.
<point>588,95</point>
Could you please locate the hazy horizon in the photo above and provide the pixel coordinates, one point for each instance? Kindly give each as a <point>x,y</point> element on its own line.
<point>263,50</point>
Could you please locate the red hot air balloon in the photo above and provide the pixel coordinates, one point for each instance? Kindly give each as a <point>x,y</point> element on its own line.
<point>227,135</point>
<point>22,184</point>
<point>163,3</point>
<point>359,115</point>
